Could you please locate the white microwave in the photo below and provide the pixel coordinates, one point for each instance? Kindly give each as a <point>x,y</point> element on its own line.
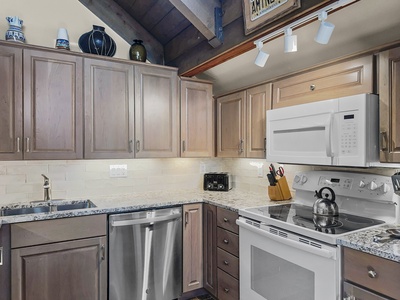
<point>337,132</point>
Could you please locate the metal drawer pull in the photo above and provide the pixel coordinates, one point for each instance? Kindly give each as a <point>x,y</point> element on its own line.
<point>137,146</point>
<point>226,220</point>
<point>28,145</point>
<point>1,256</point>
<point>384,140</point>
<point>103,252</point>
<point>312,87</point>
<point>372,273</point>
<point>226,262</point>
<point>226,241</point>
<point>226,290</point>
<point>130,142</point>
<point>18,145</point>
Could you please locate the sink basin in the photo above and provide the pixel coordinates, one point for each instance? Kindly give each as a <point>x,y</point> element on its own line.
<point>56,205</point>
<point>76,205</point>
<point>24,210</point>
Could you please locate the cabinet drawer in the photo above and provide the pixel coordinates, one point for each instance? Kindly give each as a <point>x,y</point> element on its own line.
<point>228,262</point>
<point>228,287</point>
<point>227,219</point>
<point>350,291</point>
<point>228,241</point>
<point>51,231</point>
<point>337,80</point>
<point>368,270</point>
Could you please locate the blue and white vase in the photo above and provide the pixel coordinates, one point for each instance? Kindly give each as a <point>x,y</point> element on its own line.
<point>98,42</point>
<point>14,33</point>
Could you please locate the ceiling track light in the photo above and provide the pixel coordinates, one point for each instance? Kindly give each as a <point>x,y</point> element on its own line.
<point>322,37</point>
<point>262,56</point>
<point>325,29</point>
<point>290,41</point>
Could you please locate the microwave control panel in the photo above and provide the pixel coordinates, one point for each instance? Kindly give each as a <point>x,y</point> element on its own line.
<point>348,135</point>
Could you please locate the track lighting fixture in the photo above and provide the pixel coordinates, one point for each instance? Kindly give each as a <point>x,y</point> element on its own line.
<point>325,29</point>
<point>262,56</point>
<point>290,41</point>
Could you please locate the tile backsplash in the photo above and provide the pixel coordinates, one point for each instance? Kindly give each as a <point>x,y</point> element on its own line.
<point>21,181</point>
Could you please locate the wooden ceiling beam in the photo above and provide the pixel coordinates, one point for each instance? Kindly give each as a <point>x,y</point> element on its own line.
<point>125,26</point>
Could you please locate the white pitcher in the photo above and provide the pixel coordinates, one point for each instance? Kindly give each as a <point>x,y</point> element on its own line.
<point>14,33</point>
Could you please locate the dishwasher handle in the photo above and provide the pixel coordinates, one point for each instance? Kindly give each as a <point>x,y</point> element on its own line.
<point>145,220</point>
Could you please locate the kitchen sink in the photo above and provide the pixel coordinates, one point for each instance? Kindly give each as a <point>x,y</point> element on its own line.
<point>55,205</point>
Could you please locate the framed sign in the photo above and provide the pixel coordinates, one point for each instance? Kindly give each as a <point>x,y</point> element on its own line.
<point>258,13</point>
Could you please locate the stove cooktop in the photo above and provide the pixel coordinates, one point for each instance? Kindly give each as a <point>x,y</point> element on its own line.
<point>300,219</point>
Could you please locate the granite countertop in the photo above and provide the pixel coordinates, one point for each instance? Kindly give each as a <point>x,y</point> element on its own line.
<point>232,200</point>
<point>366,241</point>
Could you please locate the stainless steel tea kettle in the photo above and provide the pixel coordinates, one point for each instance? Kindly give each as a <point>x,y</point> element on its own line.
<point>324,206</point>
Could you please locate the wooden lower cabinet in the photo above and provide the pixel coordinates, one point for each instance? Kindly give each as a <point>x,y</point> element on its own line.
<point>192,247</point>
<point>221,252</point>
<point>75,268</point>
<point>372,274</point>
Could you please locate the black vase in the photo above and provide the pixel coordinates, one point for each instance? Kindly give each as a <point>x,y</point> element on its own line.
<point>137,51</point>
<point>98,42</point>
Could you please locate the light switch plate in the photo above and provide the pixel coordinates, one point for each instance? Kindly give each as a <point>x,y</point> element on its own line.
<point>118,171</point>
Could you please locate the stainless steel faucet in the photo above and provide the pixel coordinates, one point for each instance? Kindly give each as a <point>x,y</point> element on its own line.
<point>46,188</point>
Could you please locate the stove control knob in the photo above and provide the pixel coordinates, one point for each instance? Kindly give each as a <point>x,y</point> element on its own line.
<point>304,179</point>
<point>373,186</point>
<point>297,178</point>
<point>384,188</point>
<point>362,184</point>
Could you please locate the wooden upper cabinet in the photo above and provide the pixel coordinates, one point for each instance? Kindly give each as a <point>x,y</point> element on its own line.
<point>156,112</point>
<point>11,135</point>
<point>257,103</point>
<point>196,118</point>
<point>231,127</point>
<point>389,105</point>
<point>53,112</point>
<point>346,78</point>
<point>109,109</point>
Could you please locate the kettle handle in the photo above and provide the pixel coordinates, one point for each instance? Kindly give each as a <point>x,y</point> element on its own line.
<point>319,193</point>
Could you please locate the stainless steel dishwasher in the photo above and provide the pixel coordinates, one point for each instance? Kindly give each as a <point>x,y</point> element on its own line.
<point>145,255</point>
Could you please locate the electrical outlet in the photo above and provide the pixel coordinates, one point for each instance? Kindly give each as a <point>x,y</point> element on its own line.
<point>118,171</point>
<point>260,172</point>
<point>202,167</point>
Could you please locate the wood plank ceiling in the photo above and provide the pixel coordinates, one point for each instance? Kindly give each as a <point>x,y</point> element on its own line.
<point>172,40</point>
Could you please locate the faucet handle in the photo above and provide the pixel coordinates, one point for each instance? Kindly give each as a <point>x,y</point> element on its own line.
<point>45,177</point>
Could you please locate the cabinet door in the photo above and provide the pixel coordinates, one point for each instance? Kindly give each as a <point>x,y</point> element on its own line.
<point>10,103</point>
<point>109,109</point>
<point>389,105</point>
<point>210,248</point>
<point>53,113</point>
<point>192,247</point>
<point>62,271</point>
<point>257,103</point>
<point>231,125</point>
<point>196,119</point>
<point>341,79</point>
<point>156,112</point>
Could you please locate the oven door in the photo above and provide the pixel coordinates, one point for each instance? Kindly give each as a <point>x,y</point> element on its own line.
<point>282,266</point>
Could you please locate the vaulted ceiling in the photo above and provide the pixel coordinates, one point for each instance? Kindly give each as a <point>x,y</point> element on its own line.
<point>173,30</point>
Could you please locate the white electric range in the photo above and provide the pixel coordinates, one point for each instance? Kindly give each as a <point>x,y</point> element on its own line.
<point>286,252</point>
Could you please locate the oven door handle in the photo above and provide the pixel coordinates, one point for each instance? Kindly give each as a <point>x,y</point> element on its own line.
<point>298,245</point>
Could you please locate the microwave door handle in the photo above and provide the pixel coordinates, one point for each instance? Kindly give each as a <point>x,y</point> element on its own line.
<point>328,136</point>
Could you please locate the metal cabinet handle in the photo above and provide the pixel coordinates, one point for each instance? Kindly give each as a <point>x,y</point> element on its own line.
<point>1,256</point>
<point>130,146</point>
<point>137,146</point>
<point>226,290</point>
<point>102,252</point>
<point>183,146</point>
<point>226,262</point>
<point>18,144</point>
<point>312,87</point>
<point>351,297</point>
<point>226,241</point>
<point>241,146</point>
<point>372,273</point>
<point>226,220</point>
<point>265,145</point>
<point>384,140</point>
<point>28,149</point>
<point>186,218</point>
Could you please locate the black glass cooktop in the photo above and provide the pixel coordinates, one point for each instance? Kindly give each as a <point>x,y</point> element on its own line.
<point>303,216</point>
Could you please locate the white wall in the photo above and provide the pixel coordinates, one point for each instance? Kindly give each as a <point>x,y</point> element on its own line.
<point>42,18</point>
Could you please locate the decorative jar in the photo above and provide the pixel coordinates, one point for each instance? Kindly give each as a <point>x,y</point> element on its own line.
<point>137,51</point>
<point>97,41</point>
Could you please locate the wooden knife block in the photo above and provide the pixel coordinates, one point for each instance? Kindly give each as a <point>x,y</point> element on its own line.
<point>280,191</point>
